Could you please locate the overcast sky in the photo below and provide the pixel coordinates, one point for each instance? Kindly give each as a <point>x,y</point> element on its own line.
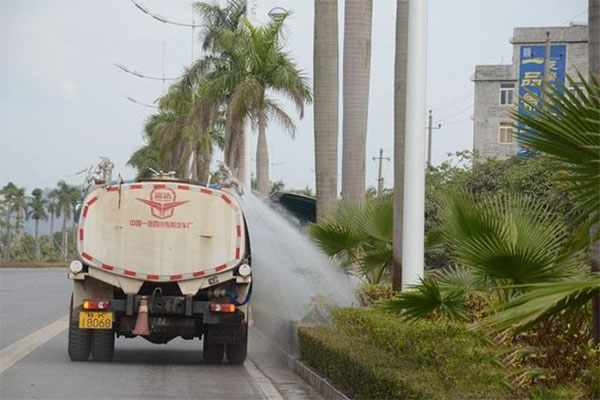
<point>62,101</point>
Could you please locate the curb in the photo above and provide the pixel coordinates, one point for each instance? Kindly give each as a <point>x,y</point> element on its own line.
<point>321,385</point>
<point>314,380</point>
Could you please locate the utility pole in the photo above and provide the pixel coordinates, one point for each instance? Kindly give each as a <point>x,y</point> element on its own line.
<point>413,223</point>
<point>380,176</point>
<point>430,129</point>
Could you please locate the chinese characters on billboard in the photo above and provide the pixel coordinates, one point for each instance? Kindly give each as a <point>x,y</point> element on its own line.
<point>531,73</point>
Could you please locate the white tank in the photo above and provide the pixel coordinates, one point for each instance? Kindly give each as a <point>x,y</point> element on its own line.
<point>161,231</point>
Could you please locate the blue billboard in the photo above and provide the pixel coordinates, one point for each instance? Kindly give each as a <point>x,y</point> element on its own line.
<point>531,73</point>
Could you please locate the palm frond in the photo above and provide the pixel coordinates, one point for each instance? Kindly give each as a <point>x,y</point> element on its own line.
<point>428,299</point>
<point>566,126</point>
<point>542,301</point>
<point>507,238</point>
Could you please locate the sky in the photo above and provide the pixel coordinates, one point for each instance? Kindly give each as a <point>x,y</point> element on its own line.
<point>63,102</point>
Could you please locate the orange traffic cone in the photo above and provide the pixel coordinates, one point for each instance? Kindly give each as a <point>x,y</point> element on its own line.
<point>142,326</point>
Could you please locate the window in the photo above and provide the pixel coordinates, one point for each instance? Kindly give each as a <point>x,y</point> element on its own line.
<point>505,133</point>
<point>507,91</point>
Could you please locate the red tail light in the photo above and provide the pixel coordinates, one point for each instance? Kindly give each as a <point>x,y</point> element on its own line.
<point>96,305</point>
<point>222,307</point>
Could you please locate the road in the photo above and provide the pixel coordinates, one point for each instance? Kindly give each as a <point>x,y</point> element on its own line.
<point>34,299</point>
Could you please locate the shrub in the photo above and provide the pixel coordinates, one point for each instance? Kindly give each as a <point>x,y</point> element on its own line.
<point>360,370</point>
<point>461,360</point>
<point>371,293</point>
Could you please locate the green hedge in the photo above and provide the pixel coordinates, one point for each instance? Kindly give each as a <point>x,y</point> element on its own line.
<point>460,359</point>
<point>357,369</point>
<point>373,354</point>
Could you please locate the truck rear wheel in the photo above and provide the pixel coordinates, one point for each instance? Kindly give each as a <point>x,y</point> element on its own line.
<point>236,353</point>
<point>103,345</point>
<point>213,352</point>
<point>79,341</point>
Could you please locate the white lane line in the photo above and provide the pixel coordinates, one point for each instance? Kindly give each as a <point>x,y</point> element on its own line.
<point>263,382</point>
<point>20,349</point>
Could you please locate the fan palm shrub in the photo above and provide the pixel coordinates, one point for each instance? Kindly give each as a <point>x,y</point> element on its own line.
<point>565,125</point>
<point>501,244</point>
<point>359,237</point>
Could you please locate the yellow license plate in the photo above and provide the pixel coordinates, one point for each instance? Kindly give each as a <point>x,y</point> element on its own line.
<point>95,320</point>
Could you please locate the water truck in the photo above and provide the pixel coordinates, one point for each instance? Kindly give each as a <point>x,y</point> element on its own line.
<point>160,258</point>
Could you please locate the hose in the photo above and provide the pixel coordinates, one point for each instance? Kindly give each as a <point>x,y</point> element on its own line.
<point>233,296</point>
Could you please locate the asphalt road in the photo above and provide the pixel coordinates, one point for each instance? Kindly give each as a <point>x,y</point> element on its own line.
<point>31,299</point>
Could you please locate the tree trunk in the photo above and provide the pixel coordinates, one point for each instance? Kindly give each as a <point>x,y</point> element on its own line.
<point>234,144</point>
<point>37,240</point>
<point>594,68</point>
<point>357,63</point>
<point>51,226</point>
<point>8,238</point>
<point>594,36</point>
<point>65,238</point>
<point>326,108</point>
<point>202,165</point>
<point>262,156</point>
<point>399,131</point>
<point>51,235</point>
<point>19,229</point>
<point>74,235</point>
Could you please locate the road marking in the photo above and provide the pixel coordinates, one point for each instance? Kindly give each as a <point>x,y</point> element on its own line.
<point>264,383</point>
<point>22,348</point>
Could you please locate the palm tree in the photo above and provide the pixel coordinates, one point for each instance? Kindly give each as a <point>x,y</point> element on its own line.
<point>147,156</point>
<point>8,194</point>
<point>216,20</point>
<point>76,198</point>
<point>399,135</point>
<point>53,210</point>
<point>268,68</point>
<point>251,63</point>
<point>37,211</point>
<point>357,63</point>
<point>66,197</point>
<point>326,119</point>
<point>19,207</point>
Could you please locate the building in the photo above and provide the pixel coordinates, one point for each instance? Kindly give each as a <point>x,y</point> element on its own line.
<point>498,87</point>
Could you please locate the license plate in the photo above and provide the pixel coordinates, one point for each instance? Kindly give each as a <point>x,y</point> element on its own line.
<point>95,320</point>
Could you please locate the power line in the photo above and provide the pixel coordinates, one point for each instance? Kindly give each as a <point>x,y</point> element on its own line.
<point>453,103</point>
<point>161,18</point>
<point>140,75</point>
<point>458,122</point>
<point>572,18</point>
<point>458,113</point>
<point>131,99</point>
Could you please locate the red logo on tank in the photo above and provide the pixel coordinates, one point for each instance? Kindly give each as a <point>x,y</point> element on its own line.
<point>162,202</point>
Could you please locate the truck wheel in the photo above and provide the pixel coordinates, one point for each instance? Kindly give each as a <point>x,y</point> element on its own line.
<point>236,353</point>
<point>79,339</point>
<point>103,345</point>
<point>213,352</point>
